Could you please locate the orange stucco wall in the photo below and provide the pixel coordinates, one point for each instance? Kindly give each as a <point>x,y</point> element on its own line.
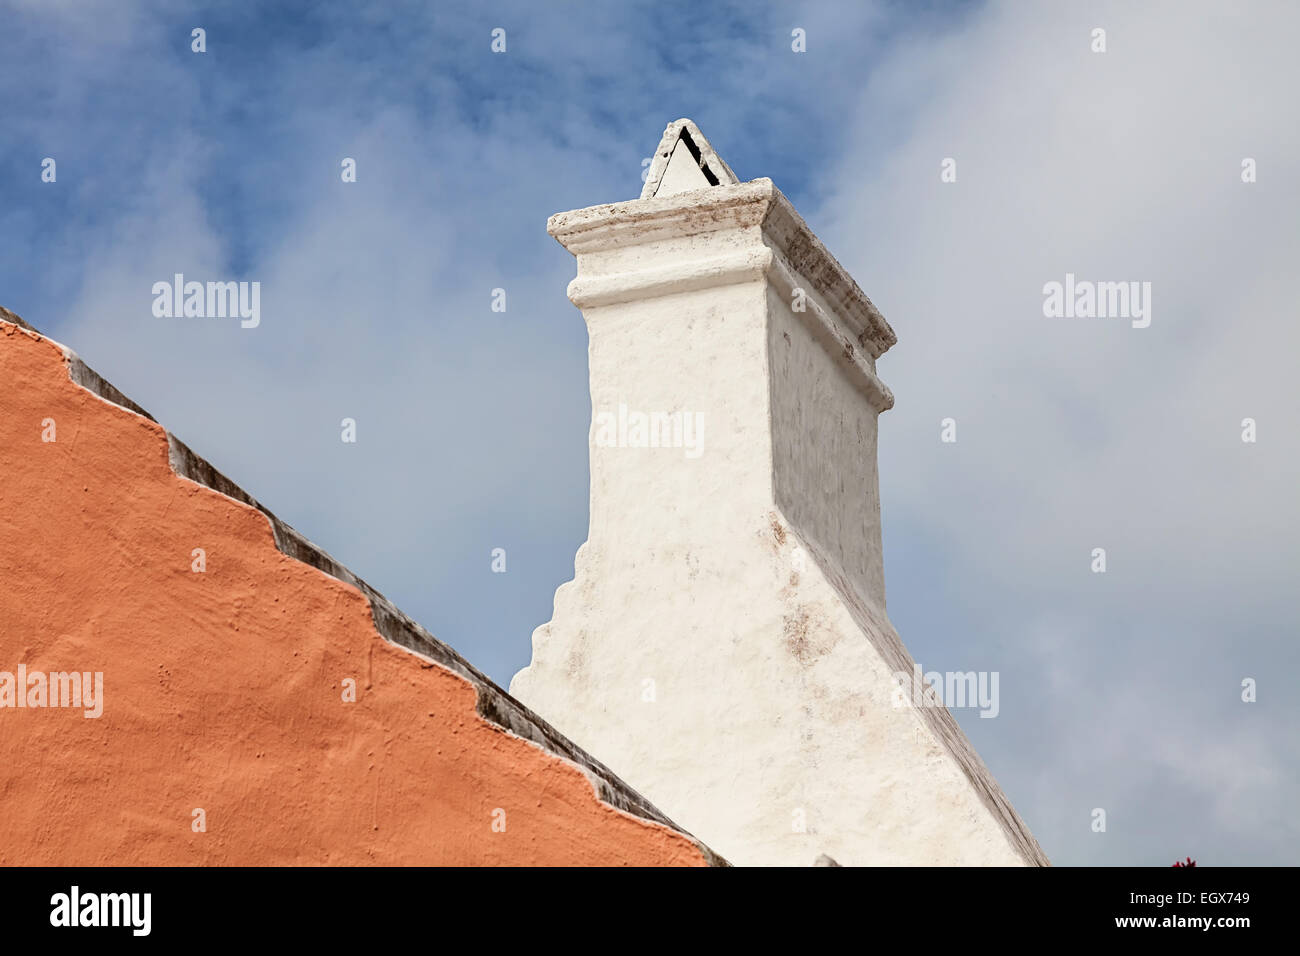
<point>223,689</point>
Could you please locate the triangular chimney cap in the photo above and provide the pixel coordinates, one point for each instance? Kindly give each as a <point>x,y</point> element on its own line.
<point>684,161</point>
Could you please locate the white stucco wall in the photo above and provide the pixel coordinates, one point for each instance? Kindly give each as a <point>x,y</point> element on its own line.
<point>723,646</point>
<point>823,449</point>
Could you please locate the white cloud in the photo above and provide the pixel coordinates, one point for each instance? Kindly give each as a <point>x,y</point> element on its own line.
<point>1083,433</point>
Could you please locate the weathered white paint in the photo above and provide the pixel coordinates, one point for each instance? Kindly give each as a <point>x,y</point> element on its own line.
<point>683,173</point>
<point>724,645</point>
<point>684,161</point>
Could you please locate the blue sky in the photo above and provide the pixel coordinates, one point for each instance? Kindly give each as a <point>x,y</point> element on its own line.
<point>1119,691</point>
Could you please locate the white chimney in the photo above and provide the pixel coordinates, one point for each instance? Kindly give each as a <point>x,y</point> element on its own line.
<point>724,646</point>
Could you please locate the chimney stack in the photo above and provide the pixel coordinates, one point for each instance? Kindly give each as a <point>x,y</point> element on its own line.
<point>724,645</point>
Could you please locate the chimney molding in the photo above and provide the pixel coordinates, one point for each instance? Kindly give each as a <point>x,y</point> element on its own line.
<point>737,233</point>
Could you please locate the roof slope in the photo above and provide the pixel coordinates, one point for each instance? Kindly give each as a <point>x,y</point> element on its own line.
<point>227,697</point>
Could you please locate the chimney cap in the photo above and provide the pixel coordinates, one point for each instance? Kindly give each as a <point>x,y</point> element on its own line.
<point>791,250</point>
<point>683,161</point>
